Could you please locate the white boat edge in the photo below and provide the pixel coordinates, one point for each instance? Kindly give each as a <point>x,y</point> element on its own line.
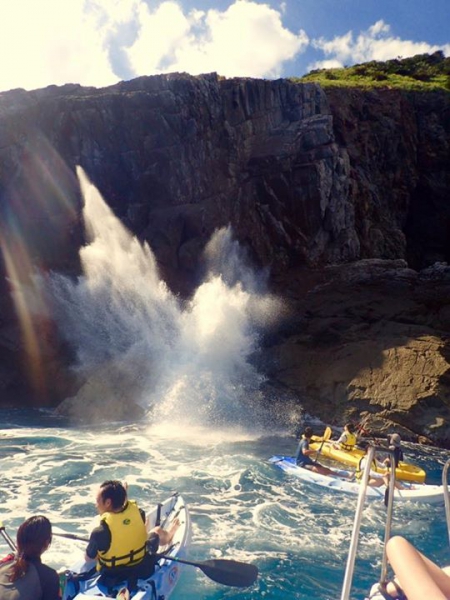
<point>415,492</point>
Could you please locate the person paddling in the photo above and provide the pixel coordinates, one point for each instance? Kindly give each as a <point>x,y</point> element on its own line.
<point>119,543</point>
<point>302,457</point>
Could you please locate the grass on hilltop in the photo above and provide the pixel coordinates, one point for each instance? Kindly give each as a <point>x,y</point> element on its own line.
<point>423,72</point>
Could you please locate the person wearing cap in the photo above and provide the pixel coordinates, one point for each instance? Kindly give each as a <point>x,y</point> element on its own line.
<point>395,442</point>
<point>376,478</point>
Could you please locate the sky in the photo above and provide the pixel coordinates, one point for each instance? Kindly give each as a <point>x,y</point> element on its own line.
<point>100,42</point>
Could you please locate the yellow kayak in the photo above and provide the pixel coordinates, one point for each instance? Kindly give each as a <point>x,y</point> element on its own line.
<point>404,471</point>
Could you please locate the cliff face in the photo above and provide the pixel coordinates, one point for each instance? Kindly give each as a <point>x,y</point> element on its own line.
<point>178,156</point>
<point>399,149</point>
<point>306,179</point>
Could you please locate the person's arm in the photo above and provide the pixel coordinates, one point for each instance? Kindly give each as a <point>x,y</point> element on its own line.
<point>99,541</point>
<point>341,440</point>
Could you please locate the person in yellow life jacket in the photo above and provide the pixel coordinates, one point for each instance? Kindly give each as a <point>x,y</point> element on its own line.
<point>119,543</point>
<point>347,440</point>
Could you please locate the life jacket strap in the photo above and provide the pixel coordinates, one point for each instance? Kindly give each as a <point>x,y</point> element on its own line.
<point>347,446</point>
<point>135,556</point>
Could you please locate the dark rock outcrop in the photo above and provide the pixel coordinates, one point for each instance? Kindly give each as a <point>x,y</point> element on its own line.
<point>306,179</point>
<point>370,341</point>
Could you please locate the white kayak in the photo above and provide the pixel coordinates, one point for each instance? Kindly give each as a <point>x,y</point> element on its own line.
<point>432,494</point>
<point>162,583</point>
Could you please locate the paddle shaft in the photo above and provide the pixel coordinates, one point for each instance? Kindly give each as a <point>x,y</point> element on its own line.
<point>226,572</point>
<point>326,436</point>
<point>71,536</point>
<point>8,538</point>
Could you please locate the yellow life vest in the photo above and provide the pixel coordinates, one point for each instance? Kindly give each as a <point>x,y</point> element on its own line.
<point>350,442</point>
<point>359,472</point>
<point>128,538</point>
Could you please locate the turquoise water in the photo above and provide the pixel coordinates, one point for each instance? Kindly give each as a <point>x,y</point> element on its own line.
<point>242,507</point>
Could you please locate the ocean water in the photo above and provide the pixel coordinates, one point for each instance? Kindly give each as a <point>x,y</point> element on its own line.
<point>211,424</point>
<point>242,507</point>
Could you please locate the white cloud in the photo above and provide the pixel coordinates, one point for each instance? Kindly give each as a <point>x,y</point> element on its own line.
<point>325,64</point>
<point>160,33</point>
<point>98,42</point>
<point>50,42</point>
<point>247,39</point>
<point>376,43</point>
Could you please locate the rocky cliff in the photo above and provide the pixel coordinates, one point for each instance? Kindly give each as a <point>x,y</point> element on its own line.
<point>342,195</point>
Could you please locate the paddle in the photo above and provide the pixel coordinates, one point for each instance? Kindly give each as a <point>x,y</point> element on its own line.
<point>326,436</point>
<point>226,572</point>
<point>70,536</point>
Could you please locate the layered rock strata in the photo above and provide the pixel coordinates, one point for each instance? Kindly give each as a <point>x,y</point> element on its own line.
<point>307,179</point>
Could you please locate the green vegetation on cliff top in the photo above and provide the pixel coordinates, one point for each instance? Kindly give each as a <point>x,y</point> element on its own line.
<point>423,72</point>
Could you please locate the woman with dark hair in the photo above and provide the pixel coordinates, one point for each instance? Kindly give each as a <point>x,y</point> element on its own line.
<point>24,577</point>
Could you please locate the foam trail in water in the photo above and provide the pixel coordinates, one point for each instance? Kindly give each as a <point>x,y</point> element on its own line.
<point>189,362</point>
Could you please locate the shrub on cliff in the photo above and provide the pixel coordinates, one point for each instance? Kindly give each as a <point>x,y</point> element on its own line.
<point>421,72</point>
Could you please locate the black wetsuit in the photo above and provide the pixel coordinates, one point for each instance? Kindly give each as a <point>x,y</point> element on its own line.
<point>40,582</point>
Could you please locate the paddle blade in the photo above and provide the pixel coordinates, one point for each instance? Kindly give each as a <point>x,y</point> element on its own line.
<point>229,572</point>
<point>327,434</point>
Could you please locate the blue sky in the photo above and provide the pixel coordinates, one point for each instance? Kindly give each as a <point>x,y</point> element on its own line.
<point>100,42</point>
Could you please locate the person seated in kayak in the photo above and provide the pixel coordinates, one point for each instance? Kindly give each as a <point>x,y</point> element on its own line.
<point>24,576</point>
<point>395,442</point>
<point>347,440</point>
<point>416,576</point>
<point>304,452</point>
<point>119,543</point>
<point>376,478</point>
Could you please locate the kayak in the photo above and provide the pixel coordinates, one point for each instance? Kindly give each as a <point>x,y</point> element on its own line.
<point>432,494</point>
<point>162,583</point>
<point>404,471</point>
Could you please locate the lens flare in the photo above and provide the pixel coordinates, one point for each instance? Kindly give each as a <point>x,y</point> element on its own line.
<point>38,214</point>
<point>19,268</point>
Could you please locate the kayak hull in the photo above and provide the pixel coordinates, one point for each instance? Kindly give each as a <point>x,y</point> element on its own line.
<point>162,583</point>
<point>404,472</point>
<point>431,494</point>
